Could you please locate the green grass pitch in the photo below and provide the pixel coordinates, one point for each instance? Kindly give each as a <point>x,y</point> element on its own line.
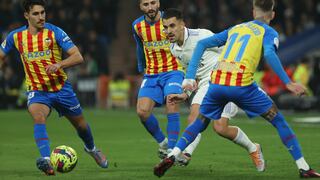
<point>132,153</point>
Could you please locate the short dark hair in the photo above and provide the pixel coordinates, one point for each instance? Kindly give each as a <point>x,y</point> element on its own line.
<point>27,4</point>
<point>264,5</point>
<point>172,12</point>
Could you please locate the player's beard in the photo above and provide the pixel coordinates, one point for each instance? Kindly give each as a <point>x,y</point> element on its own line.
<point>152,17</point>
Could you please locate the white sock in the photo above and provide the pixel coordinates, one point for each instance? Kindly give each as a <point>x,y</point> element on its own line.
<point>243,140</point>
<point>302,164</point>
<point>175,152</point>
<point>164,144</point>
<point>193,145</point>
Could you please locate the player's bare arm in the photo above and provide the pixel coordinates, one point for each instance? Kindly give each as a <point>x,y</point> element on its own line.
<point>74,58</point>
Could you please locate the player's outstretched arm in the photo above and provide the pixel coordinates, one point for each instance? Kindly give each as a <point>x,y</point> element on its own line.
<point>274,62</point>
<point>74,58</point>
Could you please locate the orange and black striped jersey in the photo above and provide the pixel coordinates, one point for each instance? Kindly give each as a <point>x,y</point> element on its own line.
<point>153,48</point>
<point>38,51</point>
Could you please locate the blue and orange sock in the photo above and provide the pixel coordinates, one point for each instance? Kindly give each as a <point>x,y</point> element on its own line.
<point>152,126</point>
<point>41,139</point>
<point>86,136</point>
<point>173,129</point>
<point>287,136</point>
<point>190,134</point>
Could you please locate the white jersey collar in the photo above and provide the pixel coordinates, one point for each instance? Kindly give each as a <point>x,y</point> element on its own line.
<point>186,36</point>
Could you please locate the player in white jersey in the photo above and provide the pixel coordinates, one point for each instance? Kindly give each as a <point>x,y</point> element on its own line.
<point>184,41</point>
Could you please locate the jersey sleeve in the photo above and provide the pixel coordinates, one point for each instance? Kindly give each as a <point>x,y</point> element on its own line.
<point>7,44</point>
<point>270,46</point>
<point>139,51</point>
<point>271,39</point>
<point>63,39</point>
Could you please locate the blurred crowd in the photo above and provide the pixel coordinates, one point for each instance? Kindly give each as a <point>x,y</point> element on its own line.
<point>91,24</point>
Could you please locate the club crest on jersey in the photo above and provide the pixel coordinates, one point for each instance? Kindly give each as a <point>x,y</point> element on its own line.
<point>47,42</point>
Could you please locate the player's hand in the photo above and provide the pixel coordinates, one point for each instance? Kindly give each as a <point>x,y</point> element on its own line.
<point>296,88</point>
<point>189,84</point>
<point>52,68</point>
<point>177,98</point>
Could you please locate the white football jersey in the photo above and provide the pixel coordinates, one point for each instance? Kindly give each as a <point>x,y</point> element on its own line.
<point>184,52</point>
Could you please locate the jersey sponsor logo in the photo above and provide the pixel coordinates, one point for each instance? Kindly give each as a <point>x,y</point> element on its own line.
<point>156,45</point>
<point>227,66</point>
<point>3,45</point>
<point>37,55</point>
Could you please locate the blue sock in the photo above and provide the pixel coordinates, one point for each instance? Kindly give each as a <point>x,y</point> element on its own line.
<point>152,126</point>
<point>42,140</point>
<point>287,136</point>
<point>86,136</point>
<point>190,134</point>
<point>173,129</point>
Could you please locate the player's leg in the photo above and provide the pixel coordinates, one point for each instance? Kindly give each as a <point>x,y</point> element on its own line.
<point>173,125</point>
<point>290,140</point>
<point>194,113</point>
<point>68,105</point>
<point>172,84</point>
<point>256,102</point>
<point>236,135</point>
<point>84,132</point>
<point>187,137</point>
<point>39,112</point>
<point>149,96</point>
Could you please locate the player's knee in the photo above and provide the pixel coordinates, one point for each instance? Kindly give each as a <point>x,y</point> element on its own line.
<point>39,117</point>
<point>172,108</point>
<point>271,113</point>
<point>143,113</point>
<point>220,128</point>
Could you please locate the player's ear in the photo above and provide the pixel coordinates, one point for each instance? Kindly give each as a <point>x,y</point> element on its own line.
<point>254,13</point>
<point>273,15</point>
<point>26,15</point>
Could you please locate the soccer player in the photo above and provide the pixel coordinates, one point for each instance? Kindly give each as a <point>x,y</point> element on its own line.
<point>40,45</point>
<point>163,75</point>
<point>232,80</point>
<point>183,42</point>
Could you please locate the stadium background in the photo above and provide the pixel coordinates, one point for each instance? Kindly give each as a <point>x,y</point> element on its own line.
<point>102,31</point>
<point>108,78</point>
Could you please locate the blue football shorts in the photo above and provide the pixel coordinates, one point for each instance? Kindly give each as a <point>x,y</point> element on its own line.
<point>157,87</point>
<point>64,101</point>
<point>252,99</point>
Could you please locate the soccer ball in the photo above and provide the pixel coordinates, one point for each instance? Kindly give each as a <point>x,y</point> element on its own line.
<point>63,159</point>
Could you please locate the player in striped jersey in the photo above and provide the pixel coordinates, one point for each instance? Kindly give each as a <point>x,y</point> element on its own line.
<point>163,75</point>
<point>232,80</point>
<point>183,42</point>
<point>40,46</point>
